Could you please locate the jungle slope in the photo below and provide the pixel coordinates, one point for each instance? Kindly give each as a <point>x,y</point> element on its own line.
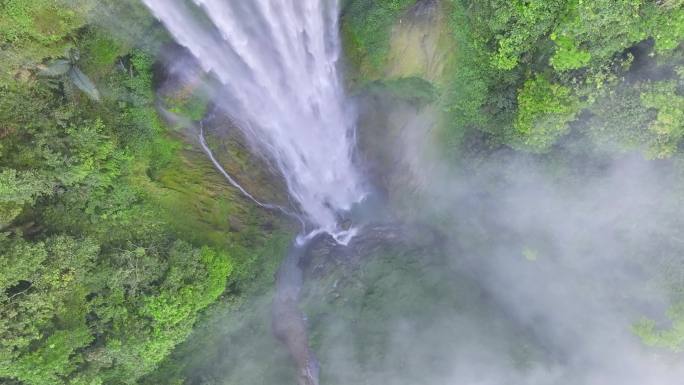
<point>116,232</point>
<point>567,86</point>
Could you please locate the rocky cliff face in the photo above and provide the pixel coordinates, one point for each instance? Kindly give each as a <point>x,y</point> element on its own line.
<point>400,113</point>
<point>417,43</point>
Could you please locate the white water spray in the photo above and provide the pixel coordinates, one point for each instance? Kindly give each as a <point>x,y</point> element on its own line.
<point>277,61</point>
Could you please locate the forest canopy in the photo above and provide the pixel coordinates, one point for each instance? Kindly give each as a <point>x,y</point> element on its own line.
<point>97,284</point>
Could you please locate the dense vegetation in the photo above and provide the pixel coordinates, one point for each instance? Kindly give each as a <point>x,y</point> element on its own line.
<point>523,72</point>
<point>564,82</point>
<point>115,235</point>
<point>107,253</point>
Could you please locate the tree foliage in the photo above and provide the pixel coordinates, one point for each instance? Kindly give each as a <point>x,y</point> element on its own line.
<point>95,287</point>
<point>670,338</point>
<point>564,81</point>
<point>582,47</point>
<point>544,111</point>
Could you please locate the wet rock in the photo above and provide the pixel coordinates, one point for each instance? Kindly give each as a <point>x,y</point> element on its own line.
<point>325,255</point>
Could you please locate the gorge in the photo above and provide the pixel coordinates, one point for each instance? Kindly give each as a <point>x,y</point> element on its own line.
<point>336,192</point>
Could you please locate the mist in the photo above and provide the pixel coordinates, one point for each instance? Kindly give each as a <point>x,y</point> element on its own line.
<point>341,192</point>
<point>498,268</point>
<point>508,270</point>
<point>569,256</point>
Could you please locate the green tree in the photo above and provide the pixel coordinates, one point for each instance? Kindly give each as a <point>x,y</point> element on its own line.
<point>31,31</point>
<point>94,287</point>
<point>544,111</point>
<point>669,338</point>
<point>668,128</point>
<point>518,26</point>
<point>43,307</point>
<point>18,189</point>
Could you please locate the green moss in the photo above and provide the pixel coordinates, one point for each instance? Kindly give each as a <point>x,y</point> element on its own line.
<point>412,89</point>
<point>191,103</point>
<point>100,52</point>
<point>43,21</point>
<point>199,205</point>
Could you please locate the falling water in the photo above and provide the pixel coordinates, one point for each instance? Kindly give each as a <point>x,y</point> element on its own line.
<point>277,61</point>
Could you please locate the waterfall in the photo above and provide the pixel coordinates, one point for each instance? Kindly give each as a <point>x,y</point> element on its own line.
<point>277,63</point>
